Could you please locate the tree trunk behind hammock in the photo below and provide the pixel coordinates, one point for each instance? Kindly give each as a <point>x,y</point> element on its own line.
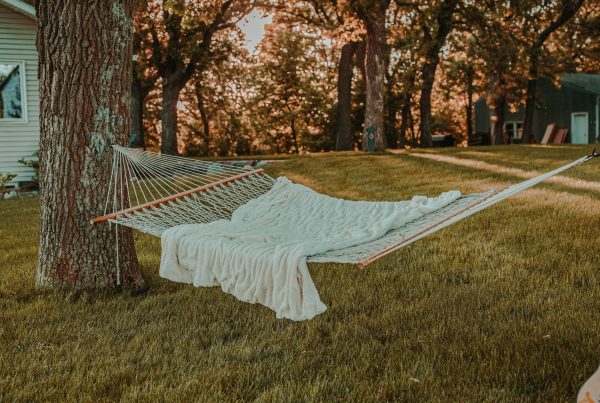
<point>375,76</point>
<point>169,118</point>
<point>85,82</point>
<point>344,138</point>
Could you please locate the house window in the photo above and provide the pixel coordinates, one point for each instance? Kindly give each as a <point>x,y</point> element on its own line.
<point>12,91</point>
<point>514,129</point>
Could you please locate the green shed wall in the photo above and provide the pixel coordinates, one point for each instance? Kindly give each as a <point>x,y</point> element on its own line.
<point>553,106</point>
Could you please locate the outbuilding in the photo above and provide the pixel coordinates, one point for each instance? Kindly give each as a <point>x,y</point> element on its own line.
<point>575,106</point>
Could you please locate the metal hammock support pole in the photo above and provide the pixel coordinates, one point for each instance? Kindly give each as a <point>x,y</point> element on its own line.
<point>152,192</point>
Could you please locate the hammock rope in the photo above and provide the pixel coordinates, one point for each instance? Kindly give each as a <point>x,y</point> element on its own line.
<point>151,192</point>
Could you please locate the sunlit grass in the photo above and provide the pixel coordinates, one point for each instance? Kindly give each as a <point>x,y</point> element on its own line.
<point>503,306</point>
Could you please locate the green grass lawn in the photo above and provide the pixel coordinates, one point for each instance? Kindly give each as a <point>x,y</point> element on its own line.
<point>504,306</point>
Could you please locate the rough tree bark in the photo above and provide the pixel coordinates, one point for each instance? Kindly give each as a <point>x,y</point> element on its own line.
<point>373,17</point>
<point>343,140</point>
<point>569,9</point>
<point>85,81</point>
<point>433,45</point>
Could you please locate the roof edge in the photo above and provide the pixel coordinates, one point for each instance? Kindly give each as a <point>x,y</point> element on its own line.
<point>20,7</point>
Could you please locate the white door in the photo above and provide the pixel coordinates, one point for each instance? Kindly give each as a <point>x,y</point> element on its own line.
<point>579,128</point>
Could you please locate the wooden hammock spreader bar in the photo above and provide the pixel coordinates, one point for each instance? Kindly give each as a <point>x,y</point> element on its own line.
<point>167,199</point>
<point>392,248</point>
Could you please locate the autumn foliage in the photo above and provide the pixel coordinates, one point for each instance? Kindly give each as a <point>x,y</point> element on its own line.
<point>328,73</point>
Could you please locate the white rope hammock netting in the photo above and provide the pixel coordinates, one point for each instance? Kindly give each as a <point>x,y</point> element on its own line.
<point>166,191</point>
<point>237,227</point>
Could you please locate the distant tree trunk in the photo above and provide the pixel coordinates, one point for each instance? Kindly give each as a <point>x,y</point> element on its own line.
<point>84,109</point>
<point>404,115</point>
<point>139,92</point>
<point>497,121</point>
<point>406,106</point>
<point>428,77</point>
<point>391,121</point>
<point>469,75</point>
<point>169,117</point>
<point>411,127</point>
<point>375,74</point>
<point>204,118</point>
<point>393,103</point>
<point>444,19</point>
<point>138,100</point>
<point>530,101</point>
<point>177,68</point>
<point>295,135</point>
<point>344,137</point>
<point>360,58</point>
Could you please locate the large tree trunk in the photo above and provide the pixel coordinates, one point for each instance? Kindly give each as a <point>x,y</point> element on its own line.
<point>344,137</point>
<point>169,118</point>
<point>374,134</point>
<point>84,94</point>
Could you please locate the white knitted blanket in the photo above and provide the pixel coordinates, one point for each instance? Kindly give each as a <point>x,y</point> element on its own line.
<point>260,254</point>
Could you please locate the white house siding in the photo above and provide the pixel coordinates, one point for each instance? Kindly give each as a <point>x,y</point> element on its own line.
<point>20,139</point>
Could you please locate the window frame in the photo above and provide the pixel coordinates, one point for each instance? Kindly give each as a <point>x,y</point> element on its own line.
<point>23,83</point>
<point>515,126</point>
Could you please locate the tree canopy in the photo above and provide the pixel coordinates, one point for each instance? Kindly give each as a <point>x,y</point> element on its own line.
<point>328,73</point>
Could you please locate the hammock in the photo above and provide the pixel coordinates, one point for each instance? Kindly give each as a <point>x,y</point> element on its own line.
<point>156,194</point>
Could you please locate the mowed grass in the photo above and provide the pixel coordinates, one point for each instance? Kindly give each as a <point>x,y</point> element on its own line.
<point>503,306</point>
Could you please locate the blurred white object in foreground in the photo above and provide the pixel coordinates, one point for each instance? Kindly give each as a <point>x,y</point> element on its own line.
<point>590,391</point>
